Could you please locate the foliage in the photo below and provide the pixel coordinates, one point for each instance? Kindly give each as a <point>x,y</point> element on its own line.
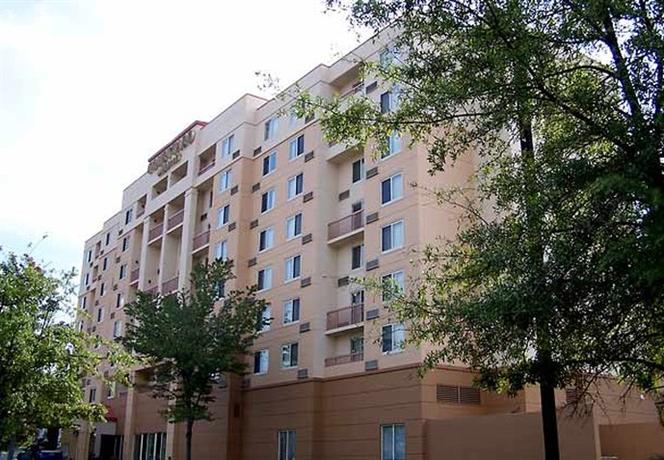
<point>193,337</point>
<point>42,358</point>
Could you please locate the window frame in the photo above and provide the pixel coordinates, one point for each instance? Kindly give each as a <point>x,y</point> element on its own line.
<point>272,191</point>
<point>293,259</point>
<point>290,355</point>
<point>393,427</point>
<point>260,353</point>
<point>291,307</point>
<point>264,270</point>
<point>391,180</point>
<point>226,211</point>
<point>393,330</point>
<point>391,226</point>
<point>225,178</point>
<point>269,157</point>
<point>294,218</point>
<point>267,230</point>
<point>295,178</point>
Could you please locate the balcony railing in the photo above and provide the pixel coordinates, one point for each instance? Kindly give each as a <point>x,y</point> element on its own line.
<point>169,285</point>
<point>133,276</point>
<point>345,225</point>
<point>156,231</point>
<point>206,167</point>
<point>152,290</point>
<point>344,359</point>
<point>140,212</point>
<point>176,219</point>
<point>345,316</point>
<point>201,239</point>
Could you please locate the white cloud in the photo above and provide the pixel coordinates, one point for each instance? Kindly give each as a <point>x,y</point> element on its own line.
<point>90,89</point>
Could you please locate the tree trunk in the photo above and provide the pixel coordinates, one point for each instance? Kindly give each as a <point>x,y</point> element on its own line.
<point>11,449</point>
<point>190,429</point>
<point>549,422</point>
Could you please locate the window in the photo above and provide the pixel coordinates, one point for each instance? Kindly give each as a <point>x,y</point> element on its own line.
<point>84,302</point>
<point>89,255</point>
<point>392,236</point>
<point>393,442</point>
<point>392,284</point>
<point>392,338</point>
<point>102,289</point>
<point>295,185</point>
<point>294,226</point>
<point>356,256</point>
<point>225,180</point>
<point>223,215</point>
<point>287,445</point>
<point>289,355</point>
<point>108,239</point>
<point>292,268</point>
<point>93,395</point>
<point>264,281</point>
<point>356,345</point>
<point>87,279</point>
<point>292,118</point>
<point>227,146</point>
<point>291,311</point>
<point>150,446</point>
<point>389,100</point>
<point>261,361</point>
<point>269,163</point>
<point>358,170</point>
<point>357,297</point>
<point>221,251</point>
<point>270,128</point>
<point>266,239</point>
<point>119,300</point>
<point>391,189</point>
<point>125,243</point>
<point>123,271</point>
<point>117,329</point>
<point>110,390</point>
<point>220,288</point>
<point>265,319</point>
<point>393,145</point>
<point>389,56</point>
<point>296,147</point>
<point>104,264</point>
<point>267,200</point>
<point>129,214</point>
<point>100,315</point>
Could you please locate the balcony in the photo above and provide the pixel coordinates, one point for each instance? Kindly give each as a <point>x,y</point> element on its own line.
<point>201,240</point>
<point>345,319</point>
<point>156,231</point>
<point>345,227</point>
<point>340,151</point>
<point>133,276</point>
<point>152,290</point>
<point>344,359</point>
<point>140,212</point>
<point>205,167</point>
<point>175,220</point>
<point>170,285</point>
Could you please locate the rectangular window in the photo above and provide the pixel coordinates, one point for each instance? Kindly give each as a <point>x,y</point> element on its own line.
<point>104,264</point>
<point>292,268</point>
<point>84,302</point>
<point>393,337</point>
<point>393,145</point>
<point>100,315</point>
<point>269,163</point>
<point>287,445</point>
<point>225,180</point>
<point>294,226</point>
<point>295,185</point>
<point>356,256</point>
<point>358,170</point>
<point>110,390</point>
<point>125,243</point>
<point>117,329</point>
<point>108,239</point>
<point>123,271</point>
<point>264,280</point>
<point>227,146</point>
<point>119,300</point>
<point>392,285</point>
<point>221,251</point>
<point>392,236</point>
<point>223,215</point>
<point>296,147</point>
<point>386,102</point>
<point>150,446</point>
<point>391,189</point>
<point>357,297</point>
<point>270,128</point>
<point>102,289</point>
<point>261,361</point>
<point>266,239</point>
<point>87,279</point>
<point>289,355</point>
<point>93,395</point>
<point>129,213</point>
<point>89,255</point>
<point>268,200</point>
<point>356,345</point>
<point>265,319</point>
<point>291,311</point>
<point>393,442</point>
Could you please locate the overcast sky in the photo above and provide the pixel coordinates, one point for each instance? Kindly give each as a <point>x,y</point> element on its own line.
<point>90,89</point>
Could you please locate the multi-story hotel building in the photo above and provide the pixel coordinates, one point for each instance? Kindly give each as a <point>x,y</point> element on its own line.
<point>302,219</point>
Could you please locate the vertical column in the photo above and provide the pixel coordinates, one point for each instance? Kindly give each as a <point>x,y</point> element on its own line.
<point>128,445</point>
<point>143,261</point>
<point>188,229</point>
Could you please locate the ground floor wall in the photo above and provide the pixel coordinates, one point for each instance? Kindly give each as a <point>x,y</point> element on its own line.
<point>633,441</point>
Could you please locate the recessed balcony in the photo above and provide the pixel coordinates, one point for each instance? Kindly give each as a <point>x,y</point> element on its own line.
<point>345,227</point>
<point>205,167</point>
<point>155,232</point>
<point>175,220</point>
<point>201,241</point>
<point>345,319</point>
<point>170,285</point>
<point>152,290</point>
<point>133,276</point>
<point>344,359</point>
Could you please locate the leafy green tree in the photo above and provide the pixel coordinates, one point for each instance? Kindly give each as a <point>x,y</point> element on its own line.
<point>192,338</point>
<point>557,275</point>
<point>42,357</point>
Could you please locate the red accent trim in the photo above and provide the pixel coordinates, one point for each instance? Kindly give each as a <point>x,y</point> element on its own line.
<point>182,133</point>
<point>110,415</point>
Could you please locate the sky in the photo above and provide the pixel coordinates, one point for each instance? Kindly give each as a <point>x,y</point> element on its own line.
<point>89,89</point>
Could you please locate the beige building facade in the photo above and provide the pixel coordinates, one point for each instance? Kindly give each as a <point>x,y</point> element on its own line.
<point>302,219</point>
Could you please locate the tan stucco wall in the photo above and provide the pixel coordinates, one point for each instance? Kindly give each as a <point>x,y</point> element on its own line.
<point>633,441</point>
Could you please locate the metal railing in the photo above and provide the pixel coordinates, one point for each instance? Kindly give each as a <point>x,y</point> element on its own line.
<point>156,231</point>
<point>133,276</point>
<point>201,239</point>
<point>345,225</point>
<point>206,167</point>
<point>344,359</point>
<point>170,285</point>
<point>176,219</point>
<point>345,316</point>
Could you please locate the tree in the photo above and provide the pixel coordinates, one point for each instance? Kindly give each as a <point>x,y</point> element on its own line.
<point>562,280</point>
<point>42,357</point>
<point>193,337</point>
